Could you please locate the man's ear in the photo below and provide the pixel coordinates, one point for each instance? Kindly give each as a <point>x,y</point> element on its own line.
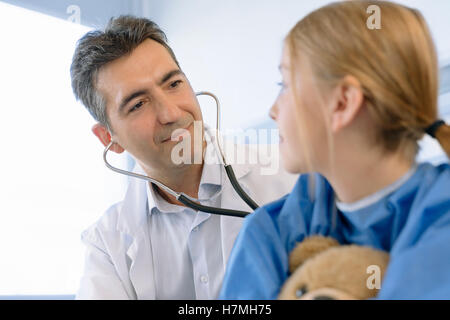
<point>347,102</point>
<point>102,133</point>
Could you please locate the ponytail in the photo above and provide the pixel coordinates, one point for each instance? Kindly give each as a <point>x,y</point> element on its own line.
<point>442,135</point>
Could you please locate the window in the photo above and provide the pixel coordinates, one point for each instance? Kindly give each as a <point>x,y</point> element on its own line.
<point>53,181</point>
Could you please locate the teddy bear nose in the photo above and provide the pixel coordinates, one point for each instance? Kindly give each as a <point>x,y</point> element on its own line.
<point>313,295</point>
<point>322,297</point>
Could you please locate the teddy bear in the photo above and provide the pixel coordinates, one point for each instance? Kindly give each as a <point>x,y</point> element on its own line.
<point>322,269</point>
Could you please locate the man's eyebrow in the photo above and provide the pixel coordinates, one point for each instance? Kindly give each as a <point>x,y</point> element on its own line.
<point>131,97</point>
<point>169,75</point>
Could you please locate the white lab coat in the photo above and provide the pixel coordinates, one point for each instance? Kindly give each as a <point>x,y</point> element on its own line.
<point>118,261</point>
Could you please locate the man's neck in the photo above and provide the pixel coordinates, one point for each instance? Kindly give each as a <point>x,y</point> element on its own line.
<point>185,179</point>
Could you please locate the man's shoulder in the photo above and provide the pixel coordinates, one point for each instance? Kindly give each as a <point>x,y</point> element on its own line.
<point>107,223</point>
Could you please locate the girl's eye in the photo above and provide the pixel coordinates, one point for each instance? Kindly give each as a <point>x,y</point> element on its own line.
<point>137,106</point>
<point>175,83</point>
<point>281,84</point>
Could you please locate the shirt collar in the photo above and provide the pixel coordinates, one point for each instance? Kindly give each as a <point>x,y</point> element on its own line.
<point>377,196</point>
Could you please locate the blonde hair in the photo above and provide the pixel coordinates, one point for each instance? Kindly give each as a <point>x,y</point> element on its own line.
<point>395,65</point>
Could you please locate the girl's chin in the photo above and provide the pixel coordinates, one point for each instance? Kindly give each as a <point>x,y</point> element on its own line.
<point>291,165</point>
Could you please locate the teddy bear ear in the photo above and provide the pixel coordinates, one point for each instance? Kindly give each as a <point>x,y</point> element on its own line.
<point>308,248</point>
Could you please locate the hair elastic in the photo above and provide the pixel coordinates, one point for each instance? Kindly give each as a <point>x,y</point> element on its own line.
<point>431,130</point>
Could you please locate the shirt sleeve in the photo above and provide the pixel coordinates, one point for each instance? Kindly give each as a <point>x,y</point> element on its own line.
<point>100,280</point>
<point>421,271</point>
<point>257,267</point>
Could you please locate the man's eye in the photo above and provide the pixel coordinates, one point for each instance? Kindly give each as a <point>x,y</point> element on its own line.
<point>137,106</point>
<point>175,83</point>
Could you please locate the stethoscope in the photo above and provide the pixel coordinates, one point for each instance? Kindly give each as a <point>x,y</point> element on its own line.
<point>187,200</point>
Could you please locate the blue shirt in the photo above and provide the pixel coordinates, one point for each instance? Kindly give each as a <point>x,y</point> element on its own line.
<point>412,223</point>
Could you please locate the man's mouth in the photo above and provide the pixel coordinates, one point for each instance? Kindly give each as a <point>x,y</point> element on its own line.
<point>179,136</point>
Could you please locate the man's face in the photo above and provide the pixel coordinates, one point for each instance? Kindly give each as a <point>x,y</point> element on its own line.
<point>147,98</point>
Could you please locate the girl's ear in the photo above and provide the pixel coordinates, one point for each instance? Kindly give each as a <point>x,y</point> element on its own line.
<point>347,101</point>
<point>102,133</point>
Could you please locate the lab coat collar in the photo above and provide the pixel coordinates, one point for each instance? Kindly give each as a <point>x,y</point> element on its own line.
<point>132,225</point>
<point>133,218</point>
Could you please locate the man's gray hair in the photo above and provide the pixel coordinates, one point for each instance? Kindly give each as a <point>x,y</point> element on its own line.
<point>97,48</point>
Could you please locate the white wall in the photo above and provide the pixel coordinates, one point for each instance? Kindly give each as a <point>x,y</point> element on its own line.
<point>53,183</point>
<point>233,47</point>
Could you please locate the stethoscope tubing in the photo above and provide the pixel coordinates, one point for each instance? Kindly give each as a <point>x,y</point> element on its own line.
<point>185,199</point>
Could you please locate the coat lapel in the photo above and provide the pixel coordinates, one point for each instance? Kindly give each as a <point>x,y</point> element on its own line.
<point>132,224</point>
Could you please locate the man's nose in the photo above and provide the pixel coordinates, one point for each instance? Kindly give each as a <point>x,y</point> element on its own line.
<point>167,111</point>
<point>273,111</point>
